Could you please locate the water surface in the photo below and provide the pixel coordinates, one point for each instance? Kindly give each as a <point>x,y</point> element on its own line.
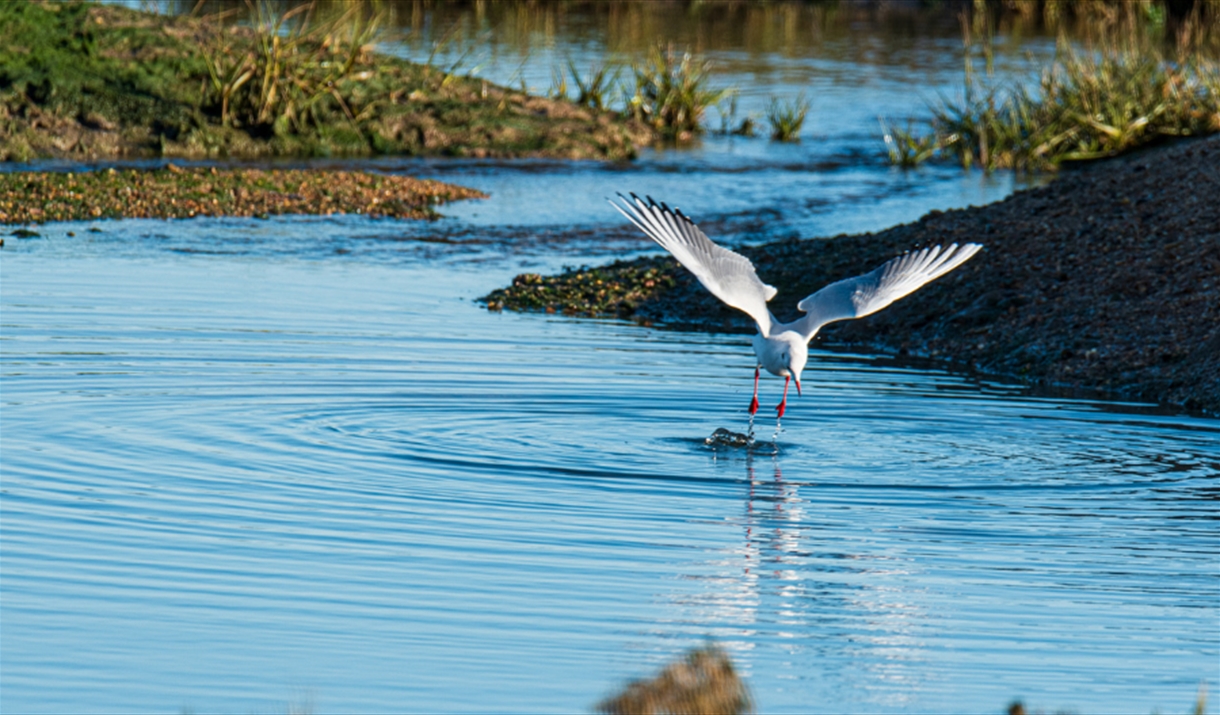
<point>255,466</point>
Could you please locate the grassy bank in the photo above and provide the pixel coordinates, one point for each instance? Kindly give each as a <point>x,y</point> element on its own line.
<point>1125,86</point>
<point>176,192</point>
<point>1106,278</point>
<point>86,81</point>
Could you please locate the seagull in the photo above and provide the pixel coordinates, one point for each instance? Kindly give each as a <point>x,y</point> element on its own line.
<point>783,348</point>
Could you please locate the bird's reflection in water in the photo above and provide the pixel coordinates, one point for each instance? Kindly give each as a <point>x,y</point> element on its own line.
<point>805,579</point>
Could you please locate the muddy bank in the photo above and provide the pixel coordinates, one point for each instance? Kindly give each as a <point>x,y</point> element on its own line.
<point>85,81</point>
<point>177,192</point>
<point>1108,278</point>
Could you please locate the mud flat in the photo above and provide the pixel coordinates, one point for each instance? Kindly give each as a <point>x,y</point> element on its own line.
<point>1107,278</point>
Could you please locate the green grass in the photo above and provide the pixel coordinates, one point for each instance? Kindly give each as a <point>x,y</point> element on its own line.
<point>905,147</point>
<point>1128,91</point>
<point>786,118</point>
<point>84,80</point>
<point>672,92</point>
<point>295,72</point>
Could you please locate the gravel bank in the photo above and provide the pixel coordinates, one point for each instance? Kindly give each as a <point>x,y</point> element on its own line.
<point>1107,278</point>
<point>177,192</point>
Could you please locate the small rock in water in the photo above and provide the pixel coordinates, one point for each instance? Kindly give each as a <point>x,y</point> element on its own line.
<point>726,438</point>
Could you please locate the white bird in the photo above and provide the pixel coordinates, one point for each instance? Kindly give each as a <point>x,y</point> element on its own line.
<point>783,348</point>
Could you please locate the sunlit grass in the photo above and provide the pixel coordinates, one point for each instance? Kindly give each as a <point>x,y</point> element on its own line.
<point>294,71</point>
<point>786,117</point>
<point>906,148</point>
<point>672,92</point>
<point>1125,92</point>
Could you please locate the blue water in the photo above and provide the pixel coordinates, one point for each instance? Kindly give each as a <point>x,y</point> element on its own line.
<point>291,465</point>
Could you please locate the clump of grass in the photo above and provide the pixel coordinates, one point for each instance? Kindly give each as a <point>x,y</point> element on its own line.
<point>1085,105</point>
<point>747,127</point>
<point>704,682</point>
<point>786,117</point>
<point>671,93</point>
<point>906,148</point>
<point>293,73</point>
<point>593,89</point>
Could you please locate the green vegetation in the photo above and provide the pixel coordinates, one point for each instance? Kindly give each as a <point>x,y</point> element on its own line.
<point>671,94</point>
<point>905,147</point>
<point>593,89</point>
<point>614,289</point>
<point>294,75</point>
<point>786,118</point>
<point>1125,92</point>
<point>85,80</point>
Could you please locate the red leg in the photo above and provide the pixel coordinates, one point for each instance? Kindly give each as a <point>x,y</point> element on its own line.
<point>754,402</point>
<point>784,402</point>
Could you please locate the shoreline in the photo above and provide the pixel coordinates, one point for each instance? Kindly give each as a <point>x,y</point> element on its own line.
<point>1107,278</point>
<point>185,192</point>
<point>91,82</point>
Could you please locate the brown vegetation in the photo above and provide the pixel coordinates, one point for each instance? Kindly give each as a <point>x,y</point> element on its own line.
<point>701,683</point>
<point>175,192</point>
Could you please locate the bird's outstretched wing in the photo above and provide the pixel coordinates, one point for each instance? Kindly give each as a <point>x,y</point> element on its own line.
<point>729,276</point>
<point>862,295</point>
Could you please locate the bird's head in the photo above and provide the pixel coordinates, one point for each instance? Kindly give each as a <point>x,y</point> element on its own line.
<point>793,356</point>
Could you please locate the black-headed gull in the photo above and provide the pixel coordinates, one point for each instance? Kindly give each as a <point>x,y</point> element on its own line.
<point>783,348</point>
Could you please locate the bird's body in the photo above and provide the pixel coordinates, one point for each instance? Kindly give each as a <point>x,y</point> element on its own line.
<point>782,349</point>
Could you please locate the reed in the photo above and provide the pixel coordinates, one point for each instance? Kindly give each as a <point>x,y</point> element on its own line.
<point>295,71</point>
<point>786,117</point>
<point>593,89</point>
<point>905,147</point>
<point>671,93</point>
<point>1124,93</point>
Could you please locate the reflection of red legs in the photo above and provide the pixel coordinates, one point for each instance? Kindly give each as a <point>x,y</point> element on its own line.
<point>784,402</point>
<point>754,402</point>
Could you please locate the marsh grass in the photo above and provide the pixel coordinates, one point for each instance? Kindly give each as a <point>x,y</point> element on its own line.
<point>905,147</point>
<point>296,70</point>
<point>787,116</point>
<point>593,89</point>
<point>1123,92</point>
<point>672,93</point>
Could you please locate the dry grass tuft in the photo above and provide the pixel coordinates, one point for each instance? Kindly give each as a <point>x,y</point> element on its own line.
<point>701,683</point>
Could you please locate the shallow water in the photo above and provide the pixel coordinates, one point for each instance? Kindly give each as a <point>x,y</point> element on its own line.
<point>255,466</point>
<point>247,481</point>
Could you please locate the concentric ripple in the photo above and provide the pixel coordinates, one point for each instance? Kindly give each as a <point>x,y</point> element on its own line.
<point>248,484</point>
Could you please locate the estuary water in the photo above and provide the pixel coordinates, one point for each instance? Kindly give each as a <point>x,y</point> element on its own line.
<point>290,465</point>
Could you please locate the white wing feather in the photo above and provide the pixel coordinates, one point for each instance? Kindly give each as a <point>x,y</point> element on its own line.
<point>727,275</point>
<point>866,294</point>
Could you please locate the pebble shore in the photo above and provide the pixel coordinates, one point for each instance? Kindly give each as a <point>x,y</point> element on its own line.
<point>178,192</point>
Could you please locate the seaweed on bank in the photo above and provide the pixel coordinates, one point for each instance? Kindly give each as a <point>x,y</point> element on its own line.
<point>176,192</point>
<point>614,290</point>
<point>83,80</point>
